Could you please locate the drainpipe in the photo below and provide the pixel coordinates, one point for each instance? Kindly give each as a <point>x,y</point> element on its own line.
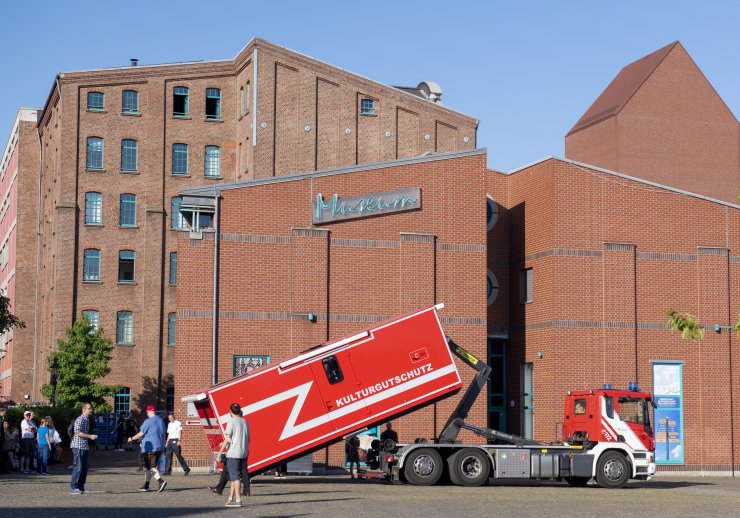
<point>732,386</point>
<point>214,333</point>
<point>38,251</point>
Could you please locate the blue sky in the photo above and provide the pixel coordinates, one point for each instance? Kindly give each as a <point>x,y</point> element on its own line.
<point>527,70</point>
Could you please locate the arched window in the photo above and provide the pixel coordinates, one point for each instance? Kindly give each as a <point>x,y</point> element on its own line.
<point>181,102</point>
<point>129,155</point>
<point>128,210</point>
<point>213,161</point>
<point>95,101</point>
<point>213,104</point>
<point>130,101</point>
<point>94,153</point>
<point>93,208</point>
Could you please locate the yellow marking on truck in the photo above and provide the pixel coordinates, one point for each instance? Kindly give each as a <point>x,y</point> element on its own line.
<point>462,352</point>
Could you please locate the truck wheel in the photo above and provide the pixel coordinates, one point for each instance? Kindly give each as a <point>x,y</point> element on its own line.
<point>577,481</point>
<point>612,470</point>
<point>423,467</point>
<point>469,467</point>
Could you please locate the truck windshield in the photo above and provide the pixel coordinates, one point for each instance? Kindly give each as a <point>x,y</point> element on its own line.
<point>632,410</point>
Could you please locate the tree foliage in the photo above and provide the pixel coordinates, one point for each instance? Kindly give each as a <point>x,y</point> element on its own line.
<point>7,319</point>
<point>83,358</point>
<point>686,324</point>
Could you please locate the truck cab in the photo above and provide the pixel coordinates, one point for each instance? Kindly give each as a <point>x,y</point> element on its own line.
<point>609,415</point>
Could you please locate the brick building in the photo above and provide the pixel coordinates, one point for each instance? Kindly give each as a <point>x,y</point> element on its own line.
<point>119,145</point>
<point>18,223</point>
<point>582,264</point>
<point>276,266</point>
<point>661,120</point>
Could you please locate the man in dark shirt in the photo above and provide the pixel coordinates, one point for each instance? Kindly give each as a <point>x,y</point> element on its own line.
<point>389,433</point>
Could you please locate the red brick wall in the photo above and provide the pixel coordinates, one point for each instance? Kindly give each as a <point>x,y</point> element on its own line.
<point>610,256</point>
<point>275,266</point>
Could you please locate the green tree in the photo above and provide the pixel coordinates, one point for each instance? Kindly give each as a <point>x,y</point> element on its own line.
<point>686,324</point>
<point>83,358</point>
<point>7,319</point>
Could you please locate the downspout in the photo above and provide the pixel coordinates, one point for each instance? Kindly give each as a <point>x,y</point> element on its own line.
<point>254,100</point>
<point>214,331</point>
<point>729,350</point>
<point>38,241</point>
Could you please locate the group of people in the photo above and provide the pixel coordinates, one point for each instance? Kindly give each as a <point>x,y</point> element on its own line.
<point>34,445</point>
<point>352,449</point>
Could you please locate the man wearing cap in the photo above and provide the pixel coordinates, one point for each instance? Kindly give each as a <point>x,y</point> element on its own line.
<point>28,438</point>
<point>81,451</point>
<point>152,446</point>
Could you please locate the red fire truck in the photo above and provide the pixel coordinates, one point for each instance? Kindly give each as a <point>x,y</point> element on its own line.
<point>335,389</point>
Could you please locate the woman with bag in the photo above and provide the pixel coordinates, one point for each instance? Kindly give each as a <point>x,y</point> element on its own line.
<point>56,442</point>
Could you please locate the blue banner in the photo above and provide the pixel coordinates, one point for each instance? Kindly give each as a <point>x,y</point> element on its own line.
<point>668,415</point>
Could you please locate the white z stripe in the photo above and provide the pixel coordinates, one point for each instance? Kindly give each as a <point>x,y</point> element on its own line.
<point>301,393</point>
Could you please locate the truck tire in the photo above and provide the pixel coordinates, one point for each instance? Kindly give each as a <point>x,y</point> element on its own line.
<point>469,467</point>
<point>577,481</point>
<point>612,470</point>
<point>423,467</point>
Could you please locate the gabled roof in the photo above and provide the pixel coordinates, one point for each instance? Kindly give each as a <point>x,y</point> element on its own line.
<point>622,88</point>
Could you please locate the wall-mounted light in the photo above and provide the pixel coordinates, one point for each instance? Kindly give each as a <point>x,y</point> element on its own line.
<point>311,317</point>
<point>540,355</point>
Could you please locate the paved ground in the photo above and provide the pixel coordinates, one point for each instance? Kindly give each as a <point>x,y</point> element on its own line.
<point>112,493</point>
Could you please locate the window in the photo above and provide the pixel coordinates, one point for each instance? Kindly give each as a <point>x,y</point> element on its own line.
<point>170,402</point>
<point>122,402</point>
<point>93,208</point>
<point>125,328</point>
<point>525,286</point>
<point>579,406</point>
<point>128,210</point>
<point>179,159</point>
<point>491,287</point>
<point>213,103</point>
<point>95,101</point>
<point>173,268</point>
<point>127,216</point>
<point>129,155</point>
<point>181,102</point>
<point>367,107</point>
<point>213,161</point>
<point>94,153</point>
<point>93,317</point>
<point>243,103</point>
<point>491,213</point>
<point>176,218</point>
<point>126,264</point>
<point>171,325</point>
<point>246,364</point>
<point>91,265</point>
<point>332,370</point>
<point>130,101</point>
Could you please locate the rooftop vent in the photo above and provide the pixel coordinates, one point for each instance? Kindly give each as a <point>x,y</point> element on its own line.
<point>134,62</point>
<point>431,90</point>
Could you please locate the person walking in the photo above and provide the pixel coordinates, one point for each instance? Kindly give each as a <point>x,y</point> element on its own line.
<point>120,435</point>
<point>44,447</point>
<point>81,450</point>
<point>152,442</point>
<point>237,438</point>
<point>28,437</point>
<point>352,449</point>
<point>174,445</point>
<point>130,427</point>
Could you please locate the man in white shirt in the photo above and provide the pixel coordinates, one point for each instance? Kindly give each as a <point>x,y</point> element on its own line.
<point>174,443</point>
<point>28,439</point>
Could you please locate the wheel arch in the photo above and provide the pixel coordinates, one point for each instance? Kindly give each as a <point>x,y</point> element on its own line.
<point>618,449</point>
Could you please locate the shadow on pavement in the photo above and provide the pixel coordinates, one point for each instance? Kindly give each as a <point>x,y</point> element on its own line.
<point>164,512</point>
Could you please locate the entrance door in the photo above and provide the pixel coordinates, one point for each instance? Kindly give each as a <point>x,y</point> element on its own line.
<point>497,384</point>
<point>527,400</point>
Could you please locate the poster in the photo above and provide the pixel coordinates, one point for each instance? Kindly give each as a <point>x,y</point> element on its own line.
<point>668,415</point>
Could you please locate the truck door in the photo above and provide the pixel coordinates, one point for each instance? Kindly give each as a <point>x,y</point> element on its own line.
<point>337,382</point>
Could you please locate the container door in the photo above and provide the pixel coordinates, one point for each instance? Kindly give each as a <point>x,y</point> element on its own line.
<point>337,383</point>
